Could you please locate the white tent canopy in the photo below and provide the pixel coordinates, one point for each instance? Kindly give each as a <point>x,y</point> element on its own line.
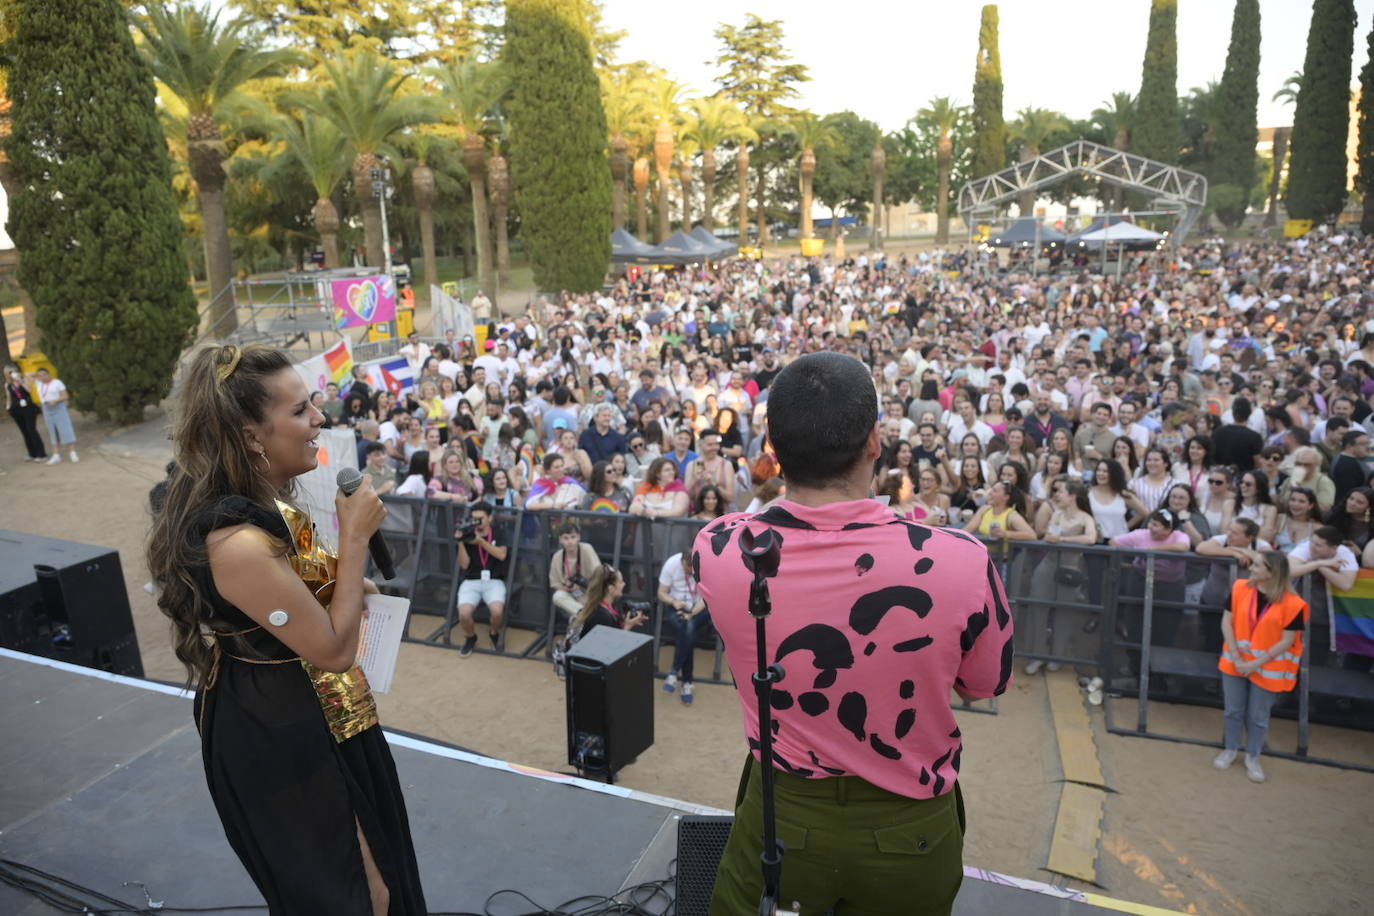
<point>1119,234</point>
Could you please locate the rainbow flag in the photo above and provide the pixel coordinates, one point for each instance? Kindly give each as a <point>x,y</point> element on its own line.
<point>339,359</point>
<point>602,504</point>
<point>1352,615</point>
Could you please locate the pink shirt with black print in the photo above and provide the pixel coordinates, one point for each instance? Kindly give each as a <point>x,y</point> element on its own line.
<point>876,620</point>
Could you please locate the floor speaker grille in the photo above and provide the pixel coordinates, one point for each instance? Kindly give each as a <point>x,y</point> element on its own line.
<point>700,844</point>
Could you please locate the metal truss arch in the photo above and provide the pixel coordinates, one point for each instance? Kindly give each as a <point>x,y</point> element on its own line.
<point>1170,188</point>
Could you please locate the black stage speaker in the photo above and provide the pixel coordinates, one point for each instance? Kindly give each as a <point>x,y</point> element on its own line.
<point>66,601</point>
<point>700,844</point>
<point>610,691</point>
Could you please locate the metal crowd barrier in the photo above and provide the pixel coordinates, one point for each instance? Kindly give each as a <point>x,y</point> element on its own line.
<point>1103,610</point>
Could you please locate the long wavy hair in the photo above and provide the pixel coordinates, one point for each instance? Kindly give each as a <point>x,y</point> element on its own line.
<point>224,389</point>
<point>598,584</point>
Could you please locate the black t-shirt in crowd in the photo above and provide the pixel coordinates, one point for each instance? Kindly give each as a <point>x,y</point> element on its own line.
<point>1237,445</point>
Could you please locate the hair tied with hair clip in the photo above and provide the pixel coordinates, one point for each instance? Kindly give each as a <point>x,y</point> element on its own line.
<point>1167,515</point>
<point>223,372</point>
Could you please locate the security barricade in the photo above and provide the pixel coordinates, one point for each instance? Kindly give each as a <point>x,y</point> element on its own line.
<point>1147,622</point>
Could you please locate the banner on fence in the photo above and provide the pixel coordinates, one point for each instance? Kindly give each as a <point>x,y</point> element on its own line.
<point>1352,615</point>
<point>360,301</point>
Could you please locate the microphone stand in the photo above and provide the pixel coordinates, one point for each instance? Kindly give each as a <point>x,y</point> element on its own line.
<point>761,554</point>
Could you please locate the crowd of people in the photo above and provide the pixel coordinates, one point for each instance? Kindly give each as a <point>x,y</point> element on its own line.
<point>1215,401</point>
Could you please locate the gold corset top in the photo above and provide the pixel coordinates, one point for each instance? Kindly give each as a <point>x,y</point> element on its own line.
<point>345,698</point>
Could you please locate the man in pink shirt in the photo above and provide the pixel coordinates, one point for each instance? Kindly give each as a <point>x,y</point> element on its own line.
<point>876,621</point>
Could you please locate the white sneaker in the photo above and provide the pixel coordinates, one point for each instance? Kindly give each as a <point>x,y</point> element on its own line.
<point>1052,666</point>
<point>1253,769</point>
<point>670,683</point>
<point>75,458</point>
<point>1034,665</point>
<point>687,693</point>
<point>1224,759</point>
<point>55,459</point>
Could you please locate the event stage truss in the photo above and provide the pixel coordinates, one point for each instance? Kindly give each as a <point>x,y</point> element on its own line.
<point>1170,188</point>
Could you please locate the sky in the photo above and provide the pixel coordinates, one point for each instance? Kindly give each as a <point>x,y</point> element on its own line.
<point>884,59</point>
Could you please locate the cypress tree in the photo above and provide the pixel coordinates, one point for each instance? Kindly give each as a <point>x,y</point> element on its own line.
<point>95,217</point>
<point>1365,181</point>
<point>1158,132</point>
<point>1321,123</point>
<point>989,130</point>
<point>1233,155</point>
<point>558,144</point>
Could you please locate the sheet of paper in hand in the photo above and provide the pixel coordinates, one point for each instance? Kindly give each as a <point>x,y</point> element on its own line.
<point>379,640</point>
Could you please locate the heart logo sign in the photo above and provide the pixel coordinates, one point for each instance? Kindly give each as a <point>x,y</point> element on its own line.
<point>363,299</point>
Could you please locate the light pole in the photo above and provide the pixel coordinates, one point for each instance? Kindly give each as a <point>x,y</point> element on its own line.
<point>381,184</point>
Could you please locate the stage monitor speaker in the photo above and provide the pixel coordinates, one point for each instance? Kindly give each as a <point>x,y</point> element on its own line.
<point>66,601</point>
<point>610,697</point>
<point>700,844</point>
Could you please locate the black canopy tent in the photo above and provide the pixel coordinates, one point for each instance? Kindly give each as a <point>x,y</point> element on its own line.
<point>681,248</point>
<point>1027,232</point>
<point>723,249</point>
<point>626,249</point>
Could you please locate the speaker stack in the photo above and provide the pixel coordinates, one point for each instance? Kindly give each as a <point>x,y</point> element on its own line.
<point>610,695</point>
<point>66,601</point>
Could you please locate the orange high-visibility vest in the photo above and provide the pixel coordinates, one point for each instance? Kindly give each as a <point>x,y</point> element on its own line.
<point>1256,633</point>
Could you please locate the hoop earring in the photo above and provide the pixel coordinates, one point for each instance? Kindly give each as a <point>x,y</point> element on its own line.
<point>263,456</point>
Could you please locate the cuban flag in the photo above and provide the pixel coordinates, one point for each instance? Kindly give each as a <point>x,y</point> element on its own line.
<point>395,375</point>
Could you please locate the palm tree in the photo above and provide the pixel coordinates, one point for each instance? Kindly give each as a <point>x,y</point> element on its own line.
<point>624,101</point>
<point>367,98</point>
<point>665,102</point>
<point>469,92</point>
<point>205,64</point>
<point>1033,126</point>
<point>1289,96</point>
<point>499,174</point>
<point>686,172</point>
<point>877,164</point>
<point>322,153</point>
<point>425,190</point>
<point>641,176</point>
<point>811,133</point>
<point>715,121</point>
<point>943,116</point>
<point>1116,117</point>
<point>742,175</point>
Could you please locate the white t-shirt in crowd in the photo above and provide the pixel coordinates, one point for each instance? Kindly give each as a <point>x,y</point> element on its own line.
<point>51,392</point>
<point>1303,554</point>
<point>674,576</point>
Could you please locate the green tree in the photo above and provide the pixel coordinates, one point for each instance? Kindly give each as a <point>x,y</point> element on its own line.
<point>843,170</point>
<point>1321,123</point>
<point>989,130</point>
<point>1116,120</point>
<point>366,96</point>
<point>625,100</point>
<point>1200,110</point>
<point>95,216</point>
<point>666,98</point>
<point>810,134</point>
<point>205,65</point>
<point>1365,182</point>
<point>942,118</point>
<point>1032,129</point>
<point>714,122</point>
<point>558,143</point>
<point>1237,127</point>
<point>756,70</point>
<point>415,30</point>
<point>1158,129</point>
<point>318,147</point>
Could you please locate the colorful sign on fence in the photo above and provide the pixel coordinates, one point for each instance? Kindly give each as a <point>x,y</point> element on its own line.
<point>361,301</point>
<point>1352,615</point>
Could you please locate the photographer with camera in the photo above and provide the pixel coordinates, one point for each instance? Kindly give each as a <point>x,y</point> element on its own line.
<point>572,563</point>
<point>604,588</point>
<point>678,592</point>
<point>876,620</point>
<point>479,553</point>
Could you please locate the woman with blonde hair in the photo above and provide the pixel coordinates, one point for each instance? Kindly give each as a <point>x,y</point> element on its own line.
<point>266,621</point>
<point>456,479</point>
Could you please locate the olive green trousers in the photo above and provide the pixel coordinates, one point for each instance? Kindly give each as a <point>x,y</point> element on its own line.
<point>851,848</point>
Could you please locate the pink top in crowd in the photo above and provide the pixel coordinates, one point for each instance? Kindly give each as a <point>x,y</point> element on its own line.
<point>876,620</point>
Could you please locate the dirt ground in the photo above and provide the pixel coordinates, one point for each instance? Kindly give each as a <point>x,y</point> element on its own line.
<point>1177,833</point>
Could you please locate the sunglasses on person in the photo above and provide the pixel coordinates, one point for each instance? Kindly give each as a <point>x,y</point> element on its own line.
<point>1217,481</point>
<point>636,445</point>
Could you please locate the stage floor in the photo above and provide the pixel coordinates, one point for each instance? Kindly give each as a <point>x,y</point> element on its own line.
<point>103,785</point>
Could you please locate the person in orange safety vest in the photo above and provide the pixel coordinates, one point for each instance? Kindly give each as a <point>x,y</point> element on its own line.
<point>1259,659</point>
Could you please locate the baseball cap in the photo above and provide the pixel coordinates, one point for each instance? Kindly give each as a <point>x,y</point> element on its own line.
<point>560,423</point>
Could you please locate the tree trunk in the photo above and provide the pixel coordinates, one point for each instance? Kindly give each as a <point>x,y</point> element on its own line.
<point>944,157</point>
<point>1123,142</point>
<point>708,189</point>
<point>475,160</point>
<point>422,183</point>
<point>834,224</point>
<point>760,193</point>
<point>1271,215</point>
<point>663,159</point>
<point>326,220</point>
<point>1027,202</point>
<point>205,155</point>
<point>500,194</point>
<point>371,206</point>
<point>742,167</point>
<point>641,195</point>
<point>808,180</point>
<point>620,167</point>
<point>684,177</point>
<point>877,163</point>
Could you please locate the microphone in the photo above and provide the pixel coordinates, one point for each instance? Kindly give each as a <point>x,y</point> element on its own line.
<point>349,479</point>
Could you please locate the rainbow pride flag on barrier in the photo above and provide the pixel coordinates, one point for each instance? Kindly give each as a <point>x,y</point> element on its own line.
<point>1352,615</point>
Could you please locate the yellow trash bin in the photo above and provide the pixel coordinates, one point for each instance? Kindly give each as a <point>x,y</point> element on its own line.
<point>812,248</point>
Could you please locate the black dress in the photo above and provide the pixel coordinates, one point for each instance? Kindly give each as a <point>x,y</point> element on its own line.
<point>287,792</point>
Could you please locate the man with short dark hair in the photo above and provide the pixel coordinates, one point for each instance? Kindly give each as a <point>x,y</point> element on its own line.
<point>1348,470</point>
<point>480,558</point>
<point>1236,443</point>
<point>572,565</point>
<point>383,477</point>
<point>877,620</point>
<point>1325,554</point>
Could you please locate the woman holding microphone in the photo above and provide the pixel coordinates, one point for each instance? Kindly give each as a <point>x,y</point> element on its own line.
<point>266,621</point>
